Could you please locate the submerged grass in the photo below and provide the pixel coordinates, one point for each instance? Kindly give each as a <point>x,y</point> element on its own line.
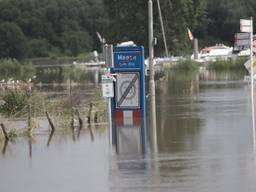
<point>186,65</point>
<point>13,102</point>
<point>21,104</point>
<point>230,64</point>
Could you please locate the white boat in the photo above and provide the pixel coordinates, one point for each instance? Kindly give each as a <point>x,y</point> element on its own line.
<point>219,51</point>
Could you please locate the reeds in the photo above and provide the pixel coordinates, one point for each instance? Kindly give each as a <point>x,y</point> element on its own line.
<point>229,64</point>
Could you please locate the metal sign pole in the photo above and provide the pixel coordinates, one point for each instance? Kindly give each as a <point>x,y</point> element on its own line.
<point>246,26</point>
<point>151,75</point>
<point>108,57</point>
<point>252,81</point>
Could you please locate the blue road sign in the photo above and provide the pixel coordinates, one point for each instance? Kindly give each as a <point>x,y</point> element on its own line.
<point>129,102</point>
<point>127,59</point>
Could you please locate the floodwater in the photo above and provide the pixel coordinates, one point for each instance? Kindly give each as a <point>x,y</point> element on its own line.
<point>204,143</point>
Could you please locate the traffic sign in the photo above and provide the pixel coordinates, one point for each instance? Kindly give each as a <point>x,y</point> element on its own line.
<point>245,25</point>
<point>129,102</point>
<point>107,86</point>
<point>128,58</point>
<point>243,42</point>
<point>239,36</point>
<point>128,90</point>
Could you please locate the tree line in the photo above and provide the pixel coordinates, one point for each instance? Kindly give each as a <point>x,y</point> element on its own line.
<point>46,28</point>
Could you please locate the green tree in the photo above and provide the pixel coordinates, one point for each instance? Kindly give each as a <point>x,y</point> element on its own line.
<point>223,16</point>
<point>76,42</point>
<point>127,21</point>
<point>39,48</point>
<point>12,41</point>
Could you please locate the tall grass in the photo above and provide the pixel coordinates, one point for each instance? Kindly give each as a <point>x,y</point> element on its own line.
<point>13,102</point>
<point>12,68</point>
<point>186,65</point>
<point>230,64</point>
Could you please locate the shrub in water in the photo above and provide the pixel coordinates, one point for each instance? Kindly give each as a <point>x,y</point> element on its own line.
<point>14,102</point>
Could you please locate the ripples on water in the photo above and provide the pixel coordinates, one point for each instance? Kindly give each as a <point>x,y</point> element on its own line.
<point>204,144</point>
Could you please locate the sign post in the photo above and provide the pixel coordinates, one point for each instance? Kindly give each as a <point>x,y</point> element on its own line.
<point>246,26</point>
<point>107,86</point>
<point>242,41</point>
<point>108,82</point>
<point>128,104</point>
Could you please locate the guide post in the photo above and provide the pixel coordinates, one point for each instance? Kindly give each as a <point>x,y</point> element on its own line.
<point>128,104</point>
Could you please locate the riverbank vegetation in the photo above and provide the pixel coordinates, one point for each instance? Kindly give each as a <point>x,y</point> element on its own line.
<point>215,65</point>
<point>229,64</point>
<point>31,106</point>
<point>186,65</point>
<point>43,28</point>
<point>12,69</point>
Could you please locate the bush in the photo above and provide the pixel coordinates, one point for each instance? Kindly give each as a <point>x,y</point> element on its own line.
<point>14,102</point>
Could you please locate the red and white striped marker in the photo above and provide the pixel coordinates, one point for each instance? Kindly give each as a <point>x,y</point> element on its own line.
<point>128,117</point>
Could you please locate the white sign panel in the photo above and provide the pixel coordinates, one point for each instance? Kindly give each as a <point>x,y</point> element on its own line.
<point>245,22</point>
<point>245,25</point>
<point>243,42</point>
<point>245,29</point>
<point>239,36</point>
<point>107,86</point>
<point>128,90</point>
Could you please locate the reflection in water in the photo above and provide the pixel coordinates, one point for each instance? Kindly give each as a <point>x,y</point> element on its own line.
<point>79,131</point>
<point>129,140</point>
<point>204,138</point>
<point>30,140</point>
<point>80,126</point>
<point>5,146</point>
<point>59,75</point>
<point>204,144</point>
<point>253,115</point>
<point>73,130</point>
<point>50,137</point>
<point>91,132</point>
<point>177,110</point>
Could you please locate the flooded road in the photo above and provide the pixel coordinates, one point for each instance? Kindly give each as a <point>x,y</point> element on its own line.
<point>204,143</point>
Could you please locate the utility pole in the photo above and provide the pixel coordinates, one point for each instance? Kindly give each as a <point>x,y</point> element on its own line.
<point>152,93</point>
<point>162,27</point>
